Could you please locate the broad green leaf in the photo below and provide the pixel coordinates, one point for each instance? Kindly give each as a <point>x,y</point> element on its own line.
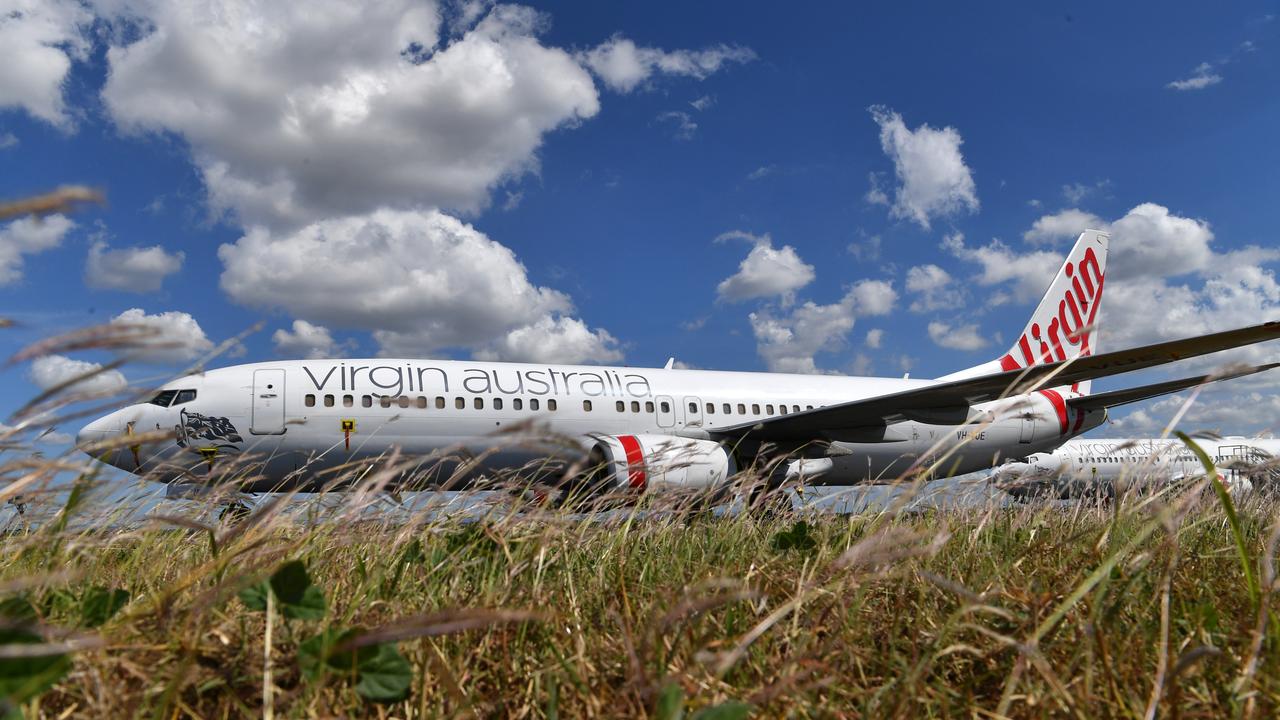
<point>22,678</point>
<point>290,581</point>
<point>731,710</point>
<point>310,607</point>
<point>383,675</point>
<point>295,596</point>
<point>670,705</point>
<point>254,597</point>
<point>100,604</point>
<point>316,655</point>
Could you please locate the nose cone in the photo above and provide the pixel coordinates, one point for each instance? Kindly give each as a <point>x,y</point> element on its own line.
<point>93,432</point>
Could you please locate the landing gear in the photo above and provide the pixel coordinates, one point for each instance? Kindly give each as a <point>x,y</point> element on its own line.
<point>768,504</point>
<point>234,512</point>
<point>18,504</point>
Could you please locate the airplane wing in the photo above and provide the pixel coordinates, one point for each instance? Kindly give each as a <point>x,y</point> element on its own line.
<point>1111,399</point>
<point>949,402</point>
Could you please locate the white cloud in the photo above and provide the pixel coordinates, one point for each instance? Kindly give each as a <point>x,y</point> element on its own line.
<point>933,288</point>
<point>1218,409</point>
<point>554,340</point>
<point>1076,193</point>
<point>762,172</point>
<point>682,122</point>
<point>1062,225</point>
<point>300,111</point>
<point>8,140</point>
<point>1030,273</point>
<point>703,103</point>
<point>956,337</point>
<point>305,340</point>
<point>788,342</point>
<point>875,338</point>
<point>623,66</point>
<point>765,272</point>
<point>176,336</point>
<point>51,371</point>
<point>39,39</point>
<point>1150,241</point>
<point>872,297</point>
<point>28,236</point>
<point>1202,77</point>
<point>422,281</point>
<point>934,180</point>
<point>134,269</point>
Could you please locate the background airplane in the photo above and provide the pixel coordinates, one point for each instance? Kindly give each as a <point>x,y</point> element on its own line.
<point>1102,467</point>
<point>637,428</point>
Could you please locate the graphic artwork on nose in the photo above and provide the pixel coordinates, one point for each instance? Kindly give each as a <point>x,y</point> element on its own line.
<point>216,432</point>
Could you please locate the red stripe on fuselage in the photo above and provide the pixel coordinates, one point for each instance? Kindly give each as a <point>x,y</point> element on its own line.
<point>1059,406</point>
<point>635,460</point>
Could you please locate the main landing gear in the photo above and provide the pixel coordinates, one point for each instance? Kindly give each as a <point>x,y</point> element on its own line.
<point>235,511</point>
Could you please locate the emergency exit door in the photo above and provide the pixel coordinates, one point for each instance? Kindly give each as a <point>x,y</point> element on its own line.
<point>268,403</point>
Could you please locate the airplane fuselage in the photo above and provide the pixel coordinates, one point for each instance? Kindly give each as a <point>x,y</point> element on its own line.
<point>302,417</point>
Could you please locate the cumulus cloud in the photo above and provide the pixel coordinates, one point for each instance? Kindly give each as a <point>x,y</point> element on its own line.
<point>933,288</point>
<point>305,340</point>
<point>39,39</point>
<point>422,281</point>
<point>956,336</point>
<point>553,340</point>
<point>51,371</point>
<point>300,111</point>
<point>682,123</point>
<point>28,236</point>
<point>623,65</point>
<point>1203,76</point>
<point>875,337</point>
<point>175,336</point>
<point>1219,410</point>
<point>765,272</point>
<point>788,342</point>
<point>135,269</point>
<point>1063,225</point>
<point>933,178</point>
<point>1029,273</point>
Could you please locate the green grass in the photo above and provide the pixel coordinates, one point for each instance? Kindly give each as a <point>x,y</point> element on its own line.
<point>1037,611</point>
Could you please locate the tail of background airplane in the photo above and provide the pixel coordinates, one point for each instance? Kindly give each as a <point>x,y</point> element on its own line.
<point>1064,324</point>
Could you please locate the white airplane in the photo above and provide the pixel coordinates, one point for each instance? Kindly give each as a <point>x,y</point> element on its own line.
<point>1087,467</point>
<point>641,428</point>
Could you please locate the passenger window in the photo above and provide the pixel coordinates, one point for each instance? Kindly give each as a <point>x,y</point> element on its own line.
<point>620,406</point>
<point>533,404</point>
<point>768,409</point>
<point>782,409</point>
<point>366,401</point>
<point>755,409</point>
<point>795,408</point>
<point>460,403</point>
<point>808,407</point>
<point>635,406</point>
<point>727,408</point>
<point>348,401</point>
<point>666,407</point>
<point>439,403</point>
<point>742,409</point>
<point>404,401</point>
<point>551,405</point>
<point>517,404</point>
<point>328,401</point>
<point>586,405</point>
<point>711,408</point>
<point>648,406</point>
<point>309,401</point>
<point>497,403</point>
<point>184,396</point>
<point>385,401</point>
<point>422,402</point>
<point>693,408</point>
<point>479,403</point>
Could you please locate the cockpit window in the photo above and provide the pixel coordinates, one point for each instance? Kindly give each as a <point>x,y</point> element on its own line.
<point>184,396</point>
<point>164,397</point>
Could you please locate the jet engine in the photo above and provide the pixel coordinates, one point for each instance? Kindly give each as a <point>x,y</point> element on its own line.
<point>658,462</point>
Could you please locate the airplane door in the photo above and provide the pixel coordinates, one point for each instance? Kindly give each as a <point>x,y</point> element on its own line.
<point>693,411</point>
<point>268,402</point>
<point>666,411</point>
<point>1026,430</point>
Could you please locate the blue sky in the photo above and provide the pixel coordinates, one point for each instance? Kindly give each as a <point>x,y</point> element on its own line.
<point>464,179</point>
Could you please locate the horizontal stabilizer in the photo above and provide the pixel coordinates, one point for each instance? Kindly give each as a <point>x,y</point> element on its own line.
<point>949,401</point>
<point>1146,392</point>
